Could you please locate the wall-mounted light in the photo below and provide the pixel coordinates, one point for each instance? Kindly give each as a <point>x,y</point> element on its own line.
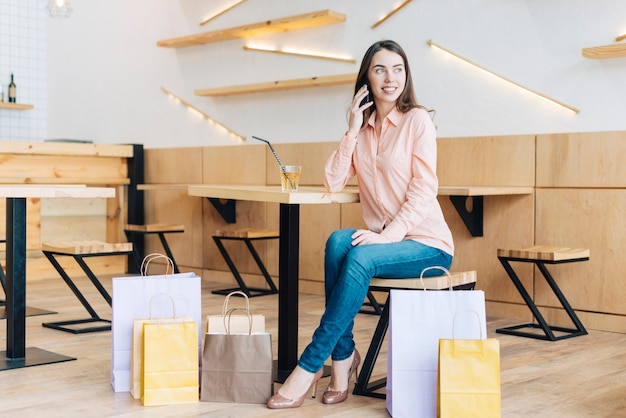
<point>59,8</point>
<point>391,13</point>
<point>200,113</point>
<point>299,53</point>
<point>218,14</point>
<point>620,38</point>
<point>528,89</point>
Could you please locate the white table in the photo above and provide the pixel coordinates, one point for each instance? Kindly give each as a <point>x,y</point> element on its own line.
<point>16,354</point>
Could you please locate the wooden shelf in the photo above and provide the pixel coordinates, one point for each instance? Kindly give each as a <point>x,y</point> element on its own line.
<point>15,106</point>
<point>605,51</point>
<point>331,80</point>
<point>303,21</point>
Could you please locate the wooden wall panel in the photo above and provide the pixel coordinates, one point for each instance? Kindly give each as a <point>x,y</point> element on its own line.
<point>585,218</point>
<point>508,223</point>
<point>173,165</point>
<point>234,164</point>
<point>311,156</point>
<point>172,205</point>
<point>487,161</point>
<point>593,159</point>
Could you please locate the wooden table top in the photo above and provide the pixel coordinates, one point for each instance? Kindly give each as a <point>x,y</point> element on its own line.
<point>51,190</point>
<point>262,193</point>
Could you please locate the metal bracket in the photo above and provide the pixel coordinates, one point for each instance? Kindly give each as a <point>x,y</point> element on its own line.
<point>473,219</point>
<point>226,208</point>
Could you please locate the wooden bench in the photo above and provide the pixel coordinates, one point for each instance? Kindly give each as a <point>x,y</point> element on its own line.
<point>80,250</point>
<point>247,235</point>
<point>541,255</point>
<point>465,280</point>
<point>133,231</point>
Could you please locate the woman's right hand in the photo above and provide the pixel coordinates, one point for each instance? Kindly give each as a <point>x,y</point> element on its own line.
<point>356,111</point>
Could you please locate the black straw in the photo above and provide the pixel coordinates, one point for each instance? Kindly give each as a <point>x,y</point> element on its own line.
<point>282,167</point>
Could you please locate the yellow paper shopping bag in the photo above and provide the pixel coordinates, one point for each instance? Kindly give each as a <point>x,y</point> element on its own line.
<point>469,379</point>
<point>170,363</point>
<point>136,359</point>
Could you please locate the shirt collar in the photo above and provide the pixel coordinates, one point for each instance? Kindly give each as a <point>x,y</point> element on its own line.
<point>394,117</point>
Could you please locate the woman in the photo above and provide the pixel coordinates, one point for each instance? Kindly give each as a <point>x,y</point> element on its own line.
<point>391,146</point>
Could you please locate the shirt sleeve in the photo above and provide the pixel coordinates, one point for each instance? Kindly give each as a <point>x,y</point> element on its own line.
<point>339,168</point>
<point>423,186</point>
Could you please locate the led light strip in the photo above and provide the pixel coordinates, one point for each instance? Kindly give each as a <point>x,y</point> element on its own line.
<point>204,115</point>
<point>535,92</point>
<point>297,53</point>
<point>391,13</point>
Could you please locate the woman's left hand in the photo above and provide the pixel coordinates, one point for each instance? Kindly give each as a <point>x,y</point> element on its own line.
<point>365,236</point>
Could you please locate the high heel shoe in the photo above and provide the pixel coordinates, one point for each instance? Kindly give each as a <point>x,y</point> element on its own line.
<point>336,396</point>
<point>278,401</point>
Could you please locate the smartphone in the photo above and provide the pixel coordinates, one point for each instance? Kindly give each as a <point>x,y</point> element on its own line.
<point>367,98</point>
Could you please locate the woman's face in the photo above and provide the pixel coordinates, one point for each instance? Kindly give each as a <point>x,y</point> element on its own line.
<point>387,77</point>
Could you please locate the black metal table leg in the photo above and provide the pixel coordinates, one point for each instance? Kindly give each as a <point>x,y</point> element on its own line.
<point>17,355</point>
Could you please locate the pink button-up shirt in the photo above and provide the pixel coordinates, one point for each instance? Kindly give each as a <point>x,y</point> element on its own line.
<point>397,178</point>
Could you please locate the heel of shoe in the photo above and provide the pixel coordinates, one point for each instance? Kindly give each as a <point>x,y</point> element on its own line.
<point>314,390</point>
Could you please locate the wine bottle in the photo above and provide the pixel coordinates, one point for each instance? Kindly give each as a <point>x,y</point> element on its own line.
<point>12,90</point>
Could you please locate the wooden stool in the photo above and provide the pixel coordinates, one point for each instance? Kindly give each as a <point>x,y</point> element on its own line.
<point>246,235</point>
<point>132,231</point>
<point>80,250</point>
<point>465,280</point>
<point>542,255</point>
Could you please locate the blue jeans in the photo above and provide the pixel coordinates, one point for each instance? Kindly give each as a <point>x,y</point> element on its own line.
<point>347,274</point>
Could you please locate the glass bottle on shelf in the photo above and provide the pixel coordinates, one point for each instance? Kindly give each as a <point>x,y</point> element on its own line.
<point>12,90</point>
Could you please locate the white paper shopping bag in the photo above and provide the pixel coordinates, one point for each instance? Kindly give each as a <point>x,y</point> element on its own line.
<point>417,320</point>
<point>131,299</point>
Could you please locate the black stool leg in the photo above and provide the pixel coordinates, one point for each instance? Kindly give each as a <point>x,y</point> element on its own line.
<point>541,322</point>
<point>373,303</point>
<point>363,386</point>
<point>249,291</point>
<point>61,325</point>
<point>259,263</point>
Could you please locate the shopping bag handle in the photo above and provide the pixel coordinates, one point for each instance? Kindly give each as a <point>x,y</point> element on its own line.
<point>169,297</point>
<point>237,292</point>
<point>480,328</point>
<point>169,269</point>
<point>445,270</point>
<point>229,314</point>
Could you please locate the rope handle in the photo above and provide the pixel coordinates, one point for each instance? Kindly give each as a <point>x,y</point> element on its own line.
<point>445,270</point>
<point>237,292</point>
<point>229,314</point>
<point>480,328</point>
<point>162,294</point>
<point>169,269</point>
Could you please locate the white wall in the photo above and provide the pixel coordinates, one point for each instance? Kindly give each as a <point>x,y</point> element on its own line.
<point>105,71</point>
<point>23,53</point>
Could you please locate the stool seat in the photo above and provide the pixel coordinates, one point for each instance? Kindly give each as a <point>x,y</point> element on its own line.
<point>85,247</point>
<point>463,280</point>
<point>541,255</point>
<point>427,283</point>
<point>132,231</point>
<point>247,235</point>
<point>547,253</point>
<point>155,228</point>
<point>80,250</point>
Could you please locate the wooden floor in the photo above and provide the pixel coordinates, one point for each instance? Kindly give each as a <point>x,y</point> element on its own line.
<point>578,377</point>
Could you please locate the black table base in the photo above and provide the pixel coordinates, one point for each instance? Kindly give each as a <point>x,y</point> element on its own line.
<point>34,357</point>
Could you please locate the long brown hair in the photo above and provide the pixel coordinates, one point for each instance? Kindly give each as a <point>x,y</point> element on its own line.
<point>407,100</point>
